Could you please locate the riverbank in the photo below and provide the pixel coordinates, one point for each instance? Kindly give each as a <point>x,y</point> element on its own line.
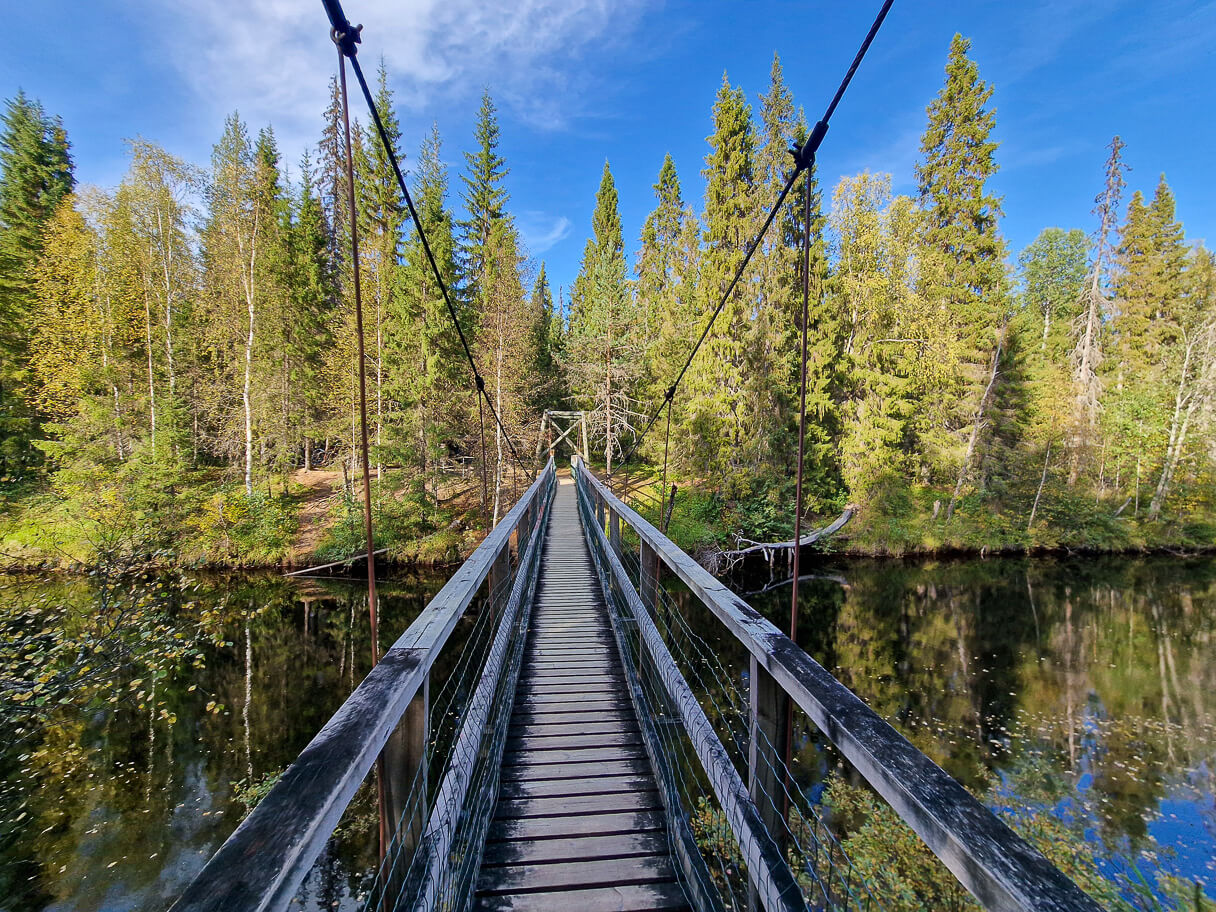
<point>912,520</point>
<point>315,517</point>
<point>205,522</point>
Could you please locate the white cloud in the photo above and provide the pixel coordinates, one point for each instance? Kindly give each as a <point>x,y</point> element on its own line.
<point>541,231</point>
<point>272,59</point>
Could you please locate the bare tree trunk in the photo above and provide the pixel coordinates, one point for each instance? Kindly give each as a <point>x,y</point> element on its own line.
<point>245,402</point>
<point>498,445</point>
<point>379,382</point>
<point>965,470</point>
<point>1039,493</point>
<point>1179,422</point>
<point>151,375</point>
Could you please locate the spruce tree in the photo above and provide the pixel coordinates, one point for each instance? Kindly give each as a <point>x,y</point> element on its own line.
<point>604,348</point>
<point>778,319</point>
<point>35,176</point>
<point>963,270</point>
<point>549,388</point>
<point>427,366</point>
<point>885,345</point>
<point>485,197</point>
<point>666,282</point>
<point>1151,260</point>
<point>718,431</point>
<point>382,218</point>
<point>312,296</point>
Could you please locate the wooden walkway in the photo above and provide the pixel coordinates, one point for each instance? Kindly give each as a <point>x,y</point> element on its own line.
<point>579,824</point>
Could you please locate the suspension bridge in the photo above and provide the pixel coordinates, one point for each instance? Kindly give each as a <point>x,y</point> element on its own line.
<point>610,733</point>
<point>610,727</point>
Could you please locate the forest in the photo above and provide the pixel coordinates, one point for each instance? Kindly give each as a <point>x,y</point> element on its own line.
<point>178,353</point>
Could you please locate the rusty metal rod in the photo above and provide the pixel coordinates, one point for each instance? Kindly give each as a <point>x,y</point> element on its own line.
<point>367,489</point>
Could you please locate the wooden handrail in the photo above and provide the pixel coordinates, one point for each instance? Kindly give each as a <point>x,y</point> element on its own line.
<point>997,866</point>
<point>262,864</point>
<point>766,865</point>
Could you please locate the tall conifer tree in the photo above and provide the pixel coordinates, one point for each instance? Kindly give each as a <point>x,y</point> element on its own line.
<point>963,270</point>
<point>36,173</point>
<point>484,196</point>
<point>604,348</point>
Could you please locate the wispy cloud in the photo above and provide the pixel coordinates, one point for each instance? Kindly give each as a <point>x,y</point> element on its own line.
<point>541,231</point>
<point>271,59</point>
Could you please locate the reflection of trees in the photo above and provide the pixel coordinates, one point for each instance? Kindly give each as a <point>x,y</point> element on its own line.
<point>129,785</point>
<point>1100,668</point>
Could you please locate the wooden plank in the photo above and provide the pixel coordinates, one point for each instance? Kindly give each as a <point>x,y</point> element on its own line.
<point>583,785</point>
<point>548,700</point>
<point>601,713</point>
<point>571,663</point>
<point>552,677</point>
<point>576,771</point>
<point>666,897</point>
<point>599,872</point>
<point>530,742</point>
<point>553,808</point>
<point>561,729</point>
<point>540,708</point>
<point>574,848</point>
<point>540,689</point>
<point>574,755</point>
<point>555,827</point>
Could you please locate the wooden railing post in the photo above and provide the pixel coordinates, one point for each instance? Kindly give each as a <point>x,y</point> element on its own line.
<point>614,531</point>
<point>648,571</point>
<point>404,759</point>
<point>500,574</point>
<point>769,723</point>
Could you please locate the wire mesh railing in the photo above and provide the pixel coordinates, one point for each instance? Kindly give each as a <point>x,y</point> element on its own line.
<point>432,863</point>
<point>436,755</point>
<point>755,688</point>
<point>741,847</point>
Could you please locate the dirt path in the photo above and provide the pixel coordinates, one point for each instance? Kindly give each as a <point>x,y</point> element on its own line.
<point>322,489</point>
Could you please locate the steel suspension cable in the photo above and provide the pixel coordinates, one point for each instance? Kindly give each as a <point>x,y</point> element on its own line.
<point>804,160</point>
<point>381,799</point>
<point>347,37</point>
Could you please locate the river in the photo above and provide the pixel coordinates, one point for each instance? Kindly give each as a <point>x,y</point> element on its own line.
<point>1097,674</point>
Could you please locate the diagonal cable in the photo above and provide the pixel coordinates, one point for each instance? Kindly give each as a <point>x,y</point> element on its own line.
<point>804,159</point>
<point>347,37</point>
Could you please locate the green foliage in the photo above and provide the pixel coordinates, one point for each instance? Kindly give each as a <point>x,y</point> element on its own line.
<point>36,174</point>
<point>239,529</point>
<point>53,654</point>
<point>250,792</point>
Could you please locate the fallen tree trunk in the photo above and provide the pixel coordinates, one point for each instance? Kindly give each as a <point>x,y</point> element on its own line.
<point>720,561</point>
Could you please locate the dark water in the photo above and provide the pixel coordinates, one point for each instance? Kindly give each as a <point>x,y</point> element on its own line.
<point>1085,688</point>
<point>125,807</point>
<point>1098,674</point>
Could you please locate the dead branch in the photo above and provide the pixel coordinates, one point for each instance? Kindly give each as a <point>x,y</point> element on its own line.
<point>721,561</point>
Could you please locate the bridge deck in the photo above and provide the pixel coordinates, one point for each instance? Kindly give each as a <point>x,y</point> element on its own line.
<point>579,824</point>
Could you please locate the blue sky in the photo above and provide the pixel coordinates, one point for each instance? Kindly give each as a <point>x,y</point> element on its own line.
<point>581,81</point>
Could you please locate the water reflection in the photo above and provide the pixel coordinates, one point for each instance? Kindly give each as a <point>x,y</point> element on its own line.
<point>119,808</point>
<point>1081,686</point>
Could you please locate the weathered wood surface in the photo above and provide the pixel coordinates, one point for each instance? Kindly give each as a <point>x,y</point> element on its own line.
<point>579,824</point>
<point>263,863</point>
<point>999,868</point>
<point>769,875</point>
